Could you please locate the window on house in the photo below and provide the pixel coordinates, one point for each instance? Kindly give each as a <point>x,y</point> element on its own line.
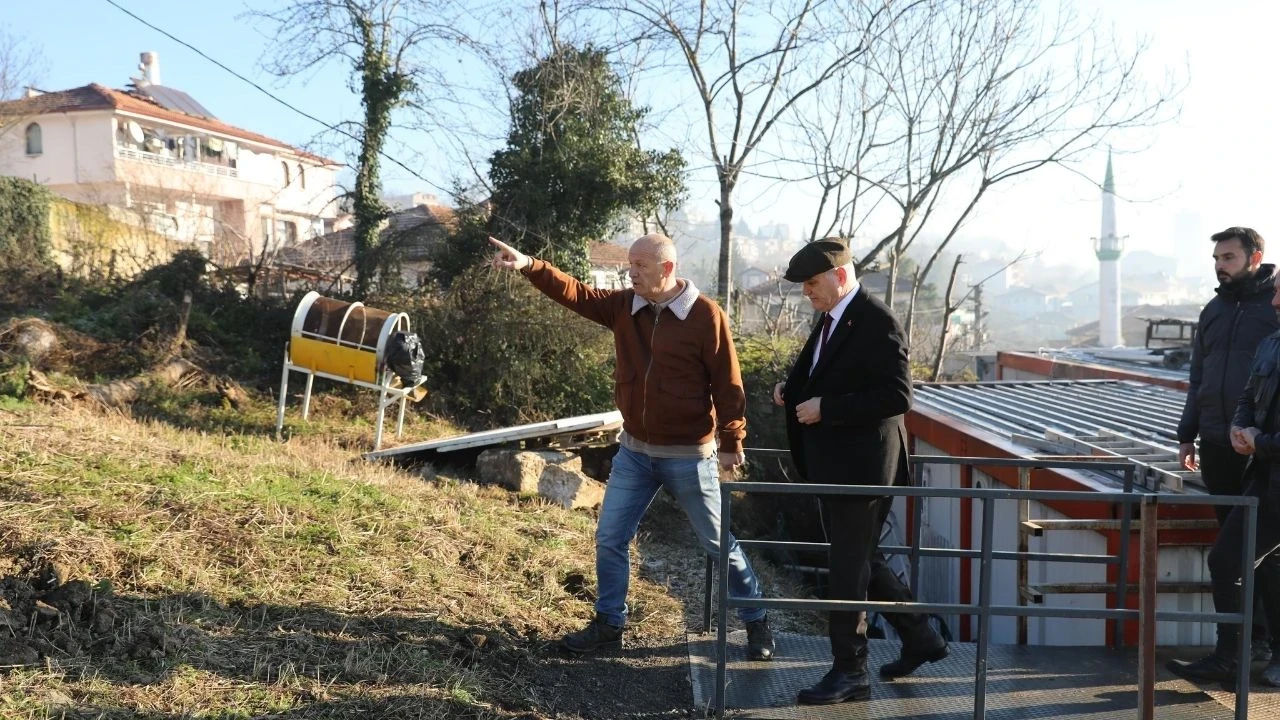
<point>35,140</point>
<point>302,177</point>
<point>286,232</point>
<point>285,167</point>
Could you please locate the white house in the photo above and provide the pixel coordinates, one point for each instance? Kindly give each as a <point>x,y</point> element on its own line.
<point>155,156</point>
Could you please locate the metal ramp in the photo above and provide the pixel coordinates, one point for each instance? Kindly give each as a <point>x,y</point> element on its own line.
<point>1023,682</point>
<point>1158,467</point>
<point>562,429</point>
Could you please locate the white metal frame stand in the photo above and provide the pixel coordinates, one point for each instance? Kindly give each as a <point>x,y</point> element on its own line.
<point>386,395</point>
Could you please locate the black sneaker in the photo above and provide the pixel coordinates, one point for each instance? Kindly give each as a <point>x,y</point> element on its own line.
<point>1210,668</point>
<point>1261,652</point>
<point>599,634</point>
<point>759,640</point>
<point>1271,674</point>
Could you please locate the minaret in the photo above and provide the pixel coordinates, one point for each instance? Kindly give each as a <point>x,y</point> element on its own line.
<point>1108,248</point>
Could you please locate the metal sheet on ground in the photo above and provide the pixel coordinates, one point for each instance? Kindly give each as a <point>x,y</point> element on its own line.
<point>601,422</point>
<point>1023,682</point>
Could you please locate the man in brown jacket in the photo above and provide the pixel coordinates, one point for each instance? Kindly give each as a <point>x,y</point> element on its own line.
<point>679,389</point>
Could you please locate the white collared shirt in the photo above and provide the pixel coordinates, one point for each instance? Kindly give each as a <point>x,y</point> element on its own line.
<point>836,313</point>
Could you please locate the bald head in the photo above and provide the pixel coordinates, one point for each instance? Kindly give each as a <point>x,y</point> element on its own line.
<point>655,245</point>
<point>653,267</point>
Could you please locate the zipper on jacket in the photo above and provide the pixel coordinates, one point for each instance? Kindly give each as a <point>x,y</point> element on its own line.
<point>1226,365</point>
<point>644,391</point>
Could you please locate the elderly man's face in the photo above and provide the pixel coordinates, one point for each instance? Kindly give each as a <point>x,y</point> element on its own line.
<point>823,289</point>
<point>648,271</point>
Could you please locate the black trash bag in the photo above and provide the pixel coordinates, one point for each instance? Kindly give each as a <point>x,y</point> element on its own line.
<point>405,357</point>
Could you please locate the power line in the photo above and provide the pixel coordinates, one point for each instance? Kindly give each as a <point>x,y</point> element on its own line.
<point>268,93</point>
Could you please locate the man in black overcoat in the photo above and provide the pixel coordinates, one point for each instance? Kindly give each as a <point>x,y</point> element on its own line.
<point>845,399</point>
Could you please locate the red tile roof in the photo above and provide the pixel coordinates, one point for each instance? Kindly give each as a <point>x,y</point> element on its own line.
<point>98,97</point>
<point>606,254</point>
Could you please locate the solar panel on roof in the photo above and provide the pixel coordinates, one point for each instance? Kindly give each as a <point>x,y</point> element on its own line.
<point>175,99</point>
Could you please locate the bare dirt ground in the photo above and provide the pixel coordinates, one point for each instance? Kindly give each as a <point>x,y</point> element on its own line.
<point>649,677</point>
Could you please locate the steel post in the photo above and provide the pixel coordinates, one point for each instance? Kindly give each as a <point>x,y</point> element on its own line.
<point>1148,591</point>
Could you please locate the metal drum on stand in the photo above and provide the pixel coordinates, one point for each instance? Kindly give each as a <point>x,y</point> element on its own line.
<point>347,342</point>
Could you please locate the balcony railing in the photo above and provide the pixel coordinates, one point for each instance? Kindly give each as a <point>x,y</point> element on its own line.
<point>161,160</point>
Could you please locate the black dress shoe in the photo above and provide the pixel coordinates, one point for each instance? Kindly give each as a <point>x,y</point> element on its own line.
<point>914,655</point>
<point>836,686</point>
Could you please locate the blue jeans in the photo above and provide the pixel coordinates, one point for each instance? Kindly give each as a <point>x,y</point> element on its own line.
<point>633,483</point>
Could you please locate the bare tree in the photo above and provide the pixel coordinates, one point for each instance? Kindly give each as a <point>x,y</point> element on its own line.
<point>21,64</point>
<point>974,93</point>
<point>750,66</point>
<point>949,307</point>
<point>387,44</point>
<point>776,309</point>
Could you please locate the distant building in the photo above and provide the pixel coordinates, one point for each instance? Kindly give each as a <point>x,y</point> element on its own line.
<point>156,157</point>
<point>1021,302</point>
<point>609,264</point>
<point>414,232</point>
<point>1133,323</point>
<point>753,276</point>
<point>1083,301</point>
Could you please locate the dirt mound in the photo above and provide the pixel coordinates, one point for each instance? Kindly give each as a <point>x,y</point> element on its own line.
<point>53,347</point>
<point>48,618</point>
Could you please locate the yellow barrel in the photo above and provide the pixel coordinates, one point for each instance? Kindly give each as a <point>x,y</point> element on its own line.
<point>343,339</point>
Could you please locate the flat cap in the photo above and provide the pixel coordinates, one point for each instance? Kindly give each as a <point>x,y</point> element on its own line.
<point>817,257</point>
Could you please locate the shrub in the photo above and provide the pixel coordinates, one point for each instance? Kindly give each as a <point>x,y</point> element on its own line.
<point>24,223</point>
<point>764,362</point>
<point>500,353</point>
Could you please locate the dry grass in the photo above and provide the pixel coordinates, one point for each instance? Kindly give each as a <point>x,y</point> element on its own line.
<point>253,577</point>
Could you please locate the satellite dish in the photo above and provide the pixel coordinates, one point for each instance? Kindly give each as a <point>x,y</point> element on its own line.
<point>214,144</point>
<point>135,131</point>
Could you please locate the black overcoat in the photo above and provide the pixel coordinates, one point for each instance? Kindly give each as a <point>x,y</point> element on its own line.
<point>864,379</point>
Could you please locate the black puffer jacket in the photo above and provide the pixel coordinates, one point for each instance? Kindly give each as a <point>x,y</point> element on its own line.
<point>1257,409</point>
<point>1231,326</point>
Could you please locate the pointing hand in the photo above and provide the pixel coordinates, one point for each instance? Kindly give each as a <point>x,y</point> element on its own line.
<point>508,257</point>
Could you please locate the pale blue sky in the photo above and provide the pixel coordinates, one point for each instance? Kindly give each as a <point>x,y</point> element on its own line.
<point>1211,169</point>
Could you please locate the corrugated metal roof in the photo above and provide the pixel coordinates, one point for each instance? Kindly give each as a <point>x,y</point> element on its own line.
<point>1131,419</point>
<point>1075,406</point>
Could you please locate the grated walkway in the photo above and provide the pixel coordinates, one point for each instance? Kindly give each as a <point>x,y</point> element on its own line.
<point>1023,682</point>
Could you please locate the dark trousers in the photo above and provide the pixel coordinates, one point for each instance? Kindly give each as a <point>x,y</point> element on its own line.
<point>1226,567</point>
<point>859,572</point>
<point>1223,471</point>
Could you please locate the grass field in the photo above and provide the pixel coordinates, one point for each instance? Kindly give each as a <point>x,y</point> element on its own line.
<point>207,570</point>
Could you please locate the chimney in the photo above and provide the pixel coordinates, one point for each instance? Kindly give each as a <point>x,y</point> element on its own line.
<point>150,67</point>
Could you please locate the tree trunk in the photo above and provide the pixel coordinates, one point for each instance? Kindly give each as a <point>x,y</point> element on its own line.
<point>911,306</point>
<point>724,273</point>
<point>381,87</point>
<point>891,277</point>
<point>947,309</point>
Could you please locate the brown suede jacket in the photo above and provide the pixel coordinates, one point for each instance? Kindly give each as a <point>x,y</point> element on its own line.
<point>677,380</point>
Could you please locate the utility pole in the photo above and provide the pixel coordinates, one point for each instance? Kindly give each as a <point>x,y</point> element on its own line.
<point>979,333</point>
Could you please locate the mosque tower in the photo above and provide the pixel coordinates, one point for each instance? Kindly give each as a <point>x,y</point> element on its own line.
<point>1108,247</point>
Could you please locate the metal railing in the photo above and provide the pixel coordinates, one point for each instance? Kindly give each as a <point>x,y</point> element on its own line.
<point>1145,615</point>
<point>163,161</point>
